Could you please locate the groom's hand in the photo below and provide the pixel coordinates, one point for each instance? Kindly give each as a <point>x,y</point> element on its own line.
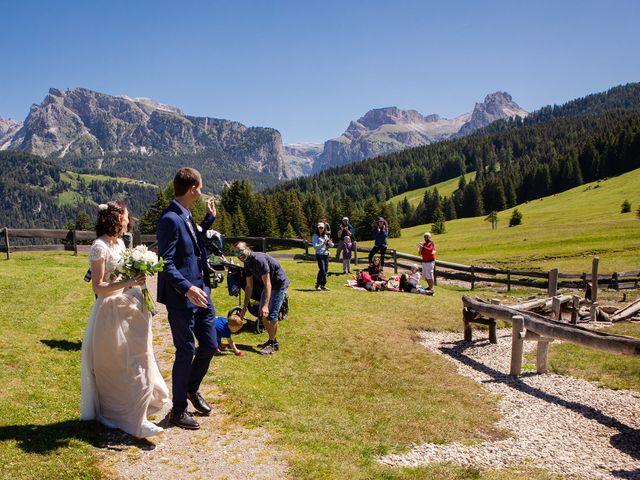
<point>211,206</point>
<point>197,296</point>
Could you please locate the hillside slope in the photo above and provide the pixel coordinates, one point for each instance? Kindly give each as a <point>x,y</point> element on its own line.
<point>564,230</point>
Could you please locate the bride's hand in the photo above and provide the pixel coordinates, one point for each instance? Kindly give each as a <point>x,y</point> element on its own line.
<point>138,280</point>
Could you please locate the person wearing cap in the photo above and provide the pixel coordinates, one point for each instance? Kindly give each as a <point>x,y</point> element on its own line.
<point>321,242</point>
<point>427,251</point>
<point>380,235</point>
<point>345,229</point>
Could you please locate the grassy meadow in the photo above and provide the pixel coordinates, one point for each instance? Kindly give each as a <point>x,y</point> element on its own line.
<point>445,189</point>
<point>349,383</point>
<point>561,231</point>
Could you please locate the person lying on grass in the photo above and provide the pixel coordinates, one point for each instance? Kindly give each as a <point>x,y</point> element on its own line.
<point>224,328</point>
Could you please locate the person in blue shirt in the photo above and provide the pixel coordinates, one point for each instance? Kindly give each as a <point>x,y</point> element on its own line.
<point>321,242</point>
<point>380,235</point>
<point>224,328</point>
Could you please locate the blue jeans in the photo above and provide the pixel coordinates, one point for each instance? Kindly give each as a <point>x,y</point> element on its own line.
<point>275,302</point>
<point>323,268</point>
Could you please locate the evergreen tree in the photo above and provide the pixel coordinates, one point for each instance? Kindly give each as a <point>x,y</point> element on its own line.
<point>472,201</point>
<point>388,211</point>
<point>289,232</point>
<point>626,207</point>
<point>450,209</point>
<point>239,224</point>
<point>149,221</point>
<point>438,225</point>
<point>516,218</point>
<point>493,218</point>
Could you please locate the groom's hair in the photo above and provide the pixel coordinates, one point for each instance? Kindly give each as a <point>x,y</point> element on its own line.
<point>186,178</point>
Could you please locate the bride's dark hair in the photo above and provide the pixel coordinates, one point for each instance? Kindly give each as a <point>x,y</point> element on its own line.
<point>109,218</point>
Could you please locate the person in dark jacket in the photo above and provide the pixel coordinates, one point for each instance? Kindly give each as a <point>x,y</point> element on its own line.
<point>380,235</point>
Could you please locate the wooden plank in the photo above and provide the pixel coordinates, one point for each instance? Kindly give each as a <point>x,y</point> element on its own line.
<point>6,242</point>
<point>629,273</point>
<point>616,344</point>
<point>542,356</point>
<point>38,233</point>
<point>594,280</point>
<point>41,248</point>
<point>626,312</point>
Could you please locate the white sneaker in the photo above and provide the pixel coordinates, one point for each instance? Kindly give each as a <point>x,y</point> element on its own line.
<point>150,429</point>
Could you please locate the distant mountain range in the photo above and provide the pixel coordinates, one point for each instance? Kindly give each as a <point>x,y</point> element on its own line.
<point>87,129</point>
<point>83,129</point>
<point>386,130</point>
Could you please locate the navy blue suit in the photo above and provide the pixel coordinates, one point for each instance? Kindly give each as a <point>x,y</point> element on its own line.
<point>185,257</point>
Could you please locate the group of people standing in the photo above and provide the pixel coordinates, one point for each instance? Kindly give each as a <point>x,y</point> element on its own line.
<point>120,380</point>
<point>121,384</point>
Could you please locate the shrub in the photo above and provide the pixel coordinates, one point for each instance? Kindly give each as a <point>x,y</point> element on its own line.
<point>626,207</point>
<point>516,218</point>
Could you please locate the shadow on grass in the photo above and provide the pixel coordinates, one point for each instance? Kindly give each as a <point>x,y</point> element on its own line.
<point>43,439</point>
<point>64,345</point>
<point>628,438</point>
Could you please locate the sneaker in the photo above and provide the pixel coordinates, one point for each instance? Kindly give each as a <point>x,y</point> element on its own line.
<point>276,345</point>
<point>324,287</point>
<point>318,287</point>
<point>268,349</point>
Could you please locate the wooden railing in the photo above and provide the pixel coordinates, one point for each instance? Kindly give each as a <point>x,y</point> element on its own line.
<point>471,274</point>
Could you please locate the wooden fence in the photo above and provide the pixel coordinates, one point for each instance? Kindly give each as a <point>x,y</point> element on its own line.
<point>472,274</point>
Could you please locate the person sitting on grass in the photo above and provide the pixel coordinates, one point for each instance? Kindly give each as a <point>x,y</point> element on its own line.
<point>410,283</point>
<point>224,328</point>
<point>375,269</point>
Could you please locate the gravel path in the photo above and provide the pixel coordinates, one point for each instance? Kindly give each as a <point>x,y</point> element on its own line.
<point>221,449</point>
<point>565,425</point>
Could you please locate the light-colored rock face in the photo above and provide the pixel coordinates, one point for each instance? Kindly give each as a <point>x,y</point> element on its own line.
<point>80,122</point>
<point>299,158</point>
<point>8,129</point>
<point>386,130</point>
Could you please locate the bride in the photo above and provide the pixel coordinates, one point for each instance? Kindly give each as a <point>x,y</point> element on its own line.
<point>121,383</point>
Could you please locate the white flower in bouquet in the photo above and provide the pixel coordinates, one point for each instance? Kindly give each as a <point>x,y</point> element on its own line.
<point>140,261</point>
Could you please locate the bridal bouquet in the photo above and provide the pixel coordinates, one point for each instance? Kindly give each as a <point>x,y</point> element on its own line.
<point>140,261</point>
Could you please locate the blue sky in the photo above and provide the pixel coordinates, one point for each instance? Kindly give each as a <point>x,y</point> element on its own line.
<point>308,68</point>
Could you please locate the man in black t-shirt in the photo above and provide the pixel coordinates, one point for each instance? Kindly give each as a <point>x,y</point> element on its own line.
<point>263,268</point>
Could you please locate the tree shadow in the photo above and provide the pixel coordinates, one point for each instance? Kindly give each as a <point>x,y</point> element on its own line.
<point>628,438</point>
<point>64,345</point>
<point>43,439</point>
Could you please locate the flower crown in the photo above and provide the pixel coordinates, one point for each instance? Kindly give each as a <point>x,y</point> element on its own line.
<point>102,207</point>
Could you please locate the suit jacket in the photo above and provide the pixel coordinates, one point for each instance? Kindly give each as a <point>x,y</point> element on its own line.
<point>185,257</point>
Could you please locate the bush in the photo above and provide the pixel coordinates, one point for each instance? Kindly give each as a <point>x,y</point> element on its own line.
<point>438,226</point>
<point>516,218</point>
<point>626,207</point>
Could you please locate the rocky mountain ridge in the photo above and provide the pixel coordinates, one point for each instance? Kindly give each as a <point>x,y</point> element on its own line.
<point>8,128</point>
<point>386,130</point>
<point>81,123</point>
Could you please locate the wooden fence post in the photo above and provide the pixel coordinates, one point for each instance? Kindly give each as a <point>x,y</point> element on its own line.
<point>74,242</point>
<point>467,317</point>
<point>557,308</point>
<point>264,245</point>
<point>395,261</point>
<point>517,344</point>
<point>594,288</point>
<point>542,356</point>
<point>614,281</point>
<point>575,309</point>
<point>137,238</point>
<point>355,253</point>
<point>435,278</point>
<point>552,288</point>
<point>6,241</point>
<point>508,280</point>
<point>594,279</point>
<point>306,249</point>
<point>473,279</point>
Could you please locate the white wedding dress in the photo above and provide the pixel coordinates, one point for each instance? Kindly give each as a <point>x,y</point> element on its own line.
<point>121,383</point>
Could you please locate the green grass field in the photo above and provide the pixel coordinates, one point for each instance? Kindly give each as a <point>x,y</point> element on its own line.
<point>564,230</point>
<point>350,381</point>
<point>445,189</point>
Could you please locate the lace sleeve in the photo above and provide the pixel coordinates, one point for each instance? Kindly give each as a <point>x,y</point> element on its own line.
<point>98,250</point>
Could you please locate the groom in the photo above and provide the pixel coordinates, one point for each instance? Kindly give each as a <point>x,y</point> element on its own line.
<point>184,287</point>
